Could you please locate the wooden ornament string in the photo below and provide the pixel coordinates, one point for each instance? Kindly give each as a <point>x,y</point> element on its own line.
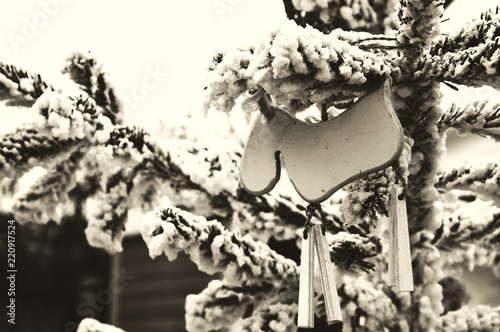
<point>400,268</point>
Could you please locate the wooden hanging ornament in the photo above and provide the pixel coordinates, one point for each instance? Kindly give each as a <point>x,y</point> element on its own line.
<point>320,159</point>
<point>400,269</point>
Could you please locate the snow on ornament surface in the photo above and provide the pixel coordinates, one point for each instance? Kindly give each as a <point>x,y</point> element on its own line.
<point>321,158</point>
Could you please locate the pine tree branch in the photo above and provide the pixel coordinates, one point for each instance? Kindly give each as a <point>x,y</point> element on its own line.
<point>359,15</point>
<point>278,314</point>
<point>477,318</point>
<point>214,249</point>
<point>69,117</point>
<point>366,199</point>
<point>479,31</point>
<point>18,87</point>
<point>471,224</point>
<point>481,118</point>
<point>419,21</point>
<point>19,150</point>
<point>483,179</point>
<point>106,212</point>
<point>370,308</point>
<point>48,198</point>
<point>470,56</point>
<point>474,66</point>
<point>296,71</point>
<point>221,305</point>
<point>419,121</point>
<point>352,250</point>
<point>91,78</point>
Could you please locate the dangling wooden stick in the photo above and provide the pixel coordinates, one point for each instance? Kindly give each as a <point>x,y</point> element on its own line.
<point>332,304</point>
<point>306,281</point>
<point>400,269</point>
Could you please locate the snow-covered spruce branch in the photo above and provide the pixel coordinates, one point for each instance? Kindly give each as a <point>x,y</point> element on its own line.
<point>483,179</point>
<point>20,88</point>
<point>481,118</point>
<point>478,318</point>
<point>371,308</point>
<point>90,76</point>
<point>419,22</point>
<point>26,148</point>
<point>474,66</point>
<point>222,304</point>
<point>426,301</point>
<point>359,15</point>
<point>47,199</point>
<point>276,315</point>
<point>352,250</point>
<point>66,116</point>
<point>475,223</point>
<point>106,213</point>
<point>214,249</point>
<point>366,199</point>
<point>476,32</point>
<point>419,111</point>
<point>92,325</point>
<point>297,66</point>
<point>417,105</point>
<point>469,57</point>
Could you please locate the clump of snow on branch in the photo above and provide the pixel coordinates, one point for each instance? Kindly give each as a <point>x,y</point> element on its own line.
<point>289,66</point>
<point>92,325</point>
<point>214,249</point>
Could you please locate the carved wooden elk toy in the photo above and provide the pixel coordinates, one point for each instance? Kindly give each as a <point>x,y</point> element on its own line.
<point>320,159</point>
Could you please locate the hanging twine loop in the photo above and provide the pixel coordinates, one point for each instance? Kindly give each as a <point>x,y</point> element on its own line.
<point>399,178</point>
<point>310,212</point>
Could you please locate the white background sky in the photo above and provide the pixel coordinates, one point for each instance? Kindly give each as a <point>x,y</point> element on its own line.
<point>133,38</point>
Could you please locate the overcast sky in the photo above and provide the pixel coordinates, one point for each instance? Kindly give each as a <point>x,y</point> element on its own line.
<point>160,47</point>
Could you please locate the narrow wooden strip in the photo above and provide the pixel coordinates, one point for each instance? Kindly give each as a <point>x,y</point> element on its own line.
<point>332,304</point>
<point>306,283</point>
<point>393,280</point>
<point>405,273</point>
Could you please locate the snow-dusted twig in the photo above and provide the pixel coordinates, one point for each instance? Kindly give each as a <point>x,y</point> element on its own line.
<point>478,318</point>
<point>475,223</point>
<point>359,15</point>
<point>483,179</point>
<point>222,304</point>
<point>90,76</point>
<point>369,307</point>
<point>48,197</point>
<point>481,118</point>
<point>278,315</point>
<point>477,31</point>
<point>366,199</point>
<point>470,56</point>
<point>26,148</point>
<point>214,249</point>
<point>473,66</point>
<point>419,22</point>
<point>20,88</point>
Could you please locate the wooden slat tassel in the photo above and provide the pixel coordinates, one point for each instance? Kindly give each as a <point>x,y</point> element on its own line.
<point>400,256</point>
<point>306,282</point>
<point>332,304</point>
<point>393,268</point>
